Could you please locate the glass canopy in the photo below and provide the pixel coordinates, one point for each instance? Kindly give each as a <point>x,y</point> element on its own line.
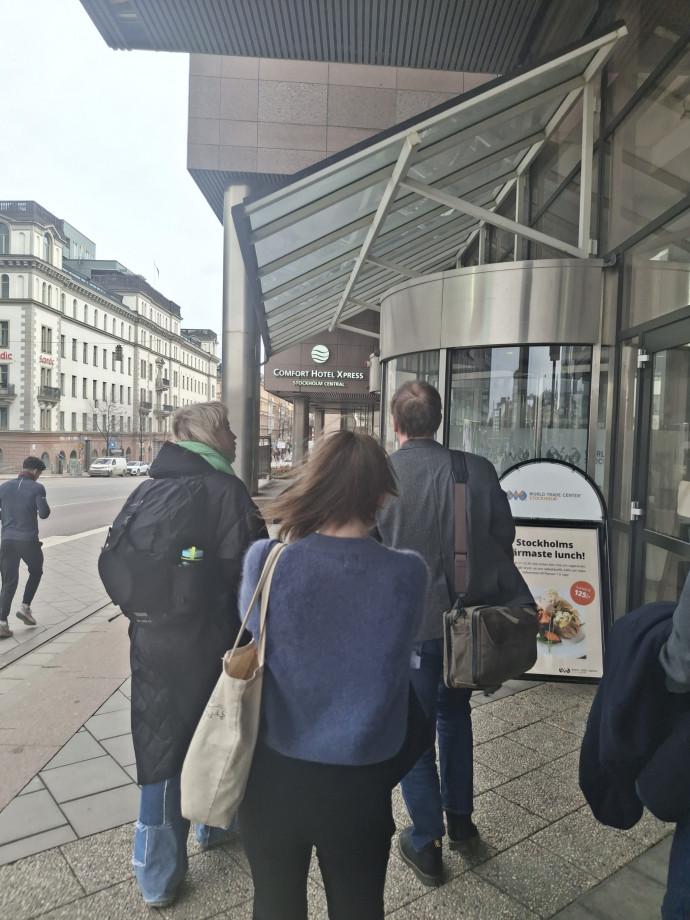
<point>407,202</point>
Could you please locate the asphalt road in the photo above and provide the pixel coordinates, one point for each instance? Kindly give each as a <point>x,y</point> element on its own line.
<point>81,504</point>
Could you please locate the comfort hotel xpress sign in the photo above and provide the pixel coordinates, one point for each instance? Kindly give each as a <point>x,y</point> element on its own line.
<point>317,377</point>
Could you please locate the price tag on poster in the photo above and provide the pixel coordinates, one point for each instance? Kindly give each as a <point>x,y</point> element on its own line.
<point>560,549</point>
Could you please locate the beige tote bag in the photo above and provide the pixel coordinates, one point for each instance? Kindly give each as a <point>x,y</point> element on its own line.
<point>219,758</point>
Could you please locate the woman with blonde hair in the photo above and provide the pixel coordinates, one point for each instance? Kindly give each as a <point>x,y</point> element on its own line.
<point>176,659</point>
<point>342,616</point>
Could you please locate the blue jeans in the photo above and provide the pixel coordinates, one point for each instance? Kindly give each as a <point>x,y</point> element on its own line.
<point>160,840</point>
<point>676,904</point>
<point>426,796</point>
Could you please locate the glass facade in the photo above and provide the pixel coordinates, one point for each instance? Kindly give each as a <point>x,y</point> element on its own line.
<point>422,366</point>
<point>521,402</point>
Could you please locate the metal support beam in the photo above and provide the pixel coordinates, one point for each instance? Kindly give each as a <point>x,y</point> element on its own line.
<point>364,304</point>
<point>496,220</point>
<point>391,266</point>
<point>412,141</point>
<point>587,157</point>
<point>367,332</point>
<point>519,215</point>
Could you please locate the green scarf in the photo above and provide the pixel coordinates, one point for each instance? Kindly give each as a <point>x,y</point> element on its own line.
<point>218,460</point>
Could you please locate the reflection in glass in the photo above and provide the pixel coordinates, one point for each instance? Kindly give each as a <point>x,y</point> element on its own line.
<point>521,402</point>
<point>626,429</point>
<point>664,574</point>
<point>422,365</point>
<point>668,499</point>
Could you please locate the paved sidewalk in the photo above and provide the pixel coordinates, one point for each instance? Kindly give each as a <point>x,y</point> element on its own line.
<point>69,795</point>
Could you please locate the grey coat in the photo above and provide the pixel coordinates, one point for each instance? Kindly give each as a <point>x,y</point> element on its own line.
<point>422,517</point>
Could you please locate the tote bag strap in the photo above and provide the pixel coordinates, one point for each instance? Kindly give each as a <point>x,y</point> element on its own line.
<point>263,588</point>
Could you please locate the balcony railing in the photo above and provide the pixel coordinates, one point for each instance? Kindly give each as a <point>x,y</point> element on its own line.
<point>162,383</point>
<point>49,394</point>
<point>145,406</point>
<point>167,408</point>
<point>7,395</point>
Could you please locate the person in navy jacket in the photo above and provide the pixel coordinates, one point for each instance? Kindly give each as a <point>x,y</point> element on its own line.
<point>675,660</point>
<point>21,501</point>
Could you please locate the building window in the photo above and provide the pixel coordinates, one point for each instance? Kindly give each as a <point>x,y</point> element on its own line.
<point>122,424</point>
<point>62,384</point>
<point>84,421</point>
<point>95,318</point>
<point>112,392</point>
<point>62,421</point>
<point>4,376</point>
<point>129,366</point>
<point>47,248</point>
<point>74,420</point>
<point>104,423</point>
<point>4,239</point>
<point>105,391</point>
<point>4,333</point>
<point>94,421</point>
<point>3,419</point>
<point>74,386</point>
<point>62,346</point>
<point>5,287</point>
<point>143,370</point>
<point>84,353</point>
<point>62,303</point>
<point>46,422</point>
<point>94,391</point>
<point>105,357</point>
<point>74,349</point>
<point>129,396</point>
<point>46,340</point>
<point>50,295</point>
<point>84,388</point>
<point>95,355</point>
<point>122,394</point>
<point>86,313</point>
<point>44,293</point>
<point>74,309</point>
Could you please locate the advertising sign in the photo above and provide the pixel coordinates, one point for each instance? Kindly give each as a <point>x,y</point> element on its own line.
<point>560,549</point>
<point>561,566</point>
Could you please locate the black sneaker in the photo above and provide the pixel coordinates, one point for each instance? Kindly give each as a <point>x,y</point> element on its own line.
<point>461,829</point>
<point>427,863</point>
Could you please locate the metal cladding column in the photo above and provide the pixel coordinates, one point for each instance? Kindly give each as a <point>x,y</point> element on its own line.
<point>319,418</point>
<point>300,430</point>
<point>240,373</point>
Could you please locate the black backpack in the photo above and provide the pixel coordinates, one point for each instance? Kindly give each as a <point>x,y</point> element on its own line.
<point>140,565</point>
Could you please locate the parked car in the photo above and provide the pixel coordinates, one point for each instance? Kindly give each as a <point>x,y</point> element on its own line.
<point>137,468</point>
<point>108,466</point>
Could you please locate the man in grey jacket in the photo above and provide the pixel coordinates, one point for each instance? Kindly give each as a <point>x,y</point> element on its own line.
<point>422,518</point>
<point>21,500</point>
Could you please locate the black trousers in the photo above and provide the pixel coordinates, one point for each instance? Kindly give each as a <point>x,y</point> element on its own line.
<point>291,806</point>
<point>12,552</point>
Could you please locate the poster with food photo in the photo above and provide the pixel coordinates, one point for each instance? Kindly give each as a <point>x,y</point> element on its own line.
<point>562,568</point>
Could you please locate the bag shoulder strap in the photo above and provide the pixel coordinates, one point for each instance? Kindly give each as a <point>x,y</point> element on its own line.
<point>459,471</point>
<point>263,588</point>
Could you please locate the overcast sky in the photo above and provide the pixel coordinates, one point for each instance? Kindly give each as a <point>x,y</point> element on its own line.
<point>99,138</point>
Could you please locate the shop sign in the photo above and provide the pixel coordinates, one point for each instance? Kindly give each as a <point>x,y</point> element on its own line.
<point>551,490</point>
<point>5,355</point>
<point>45,359</point>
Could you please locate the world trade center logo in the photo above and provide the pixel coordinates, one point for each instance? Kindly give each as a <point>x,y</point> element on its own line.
<point>516,496</point>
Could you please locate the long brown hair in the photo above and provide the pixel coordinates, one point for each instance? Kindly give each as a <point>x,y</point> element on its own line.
<point>344,480</point>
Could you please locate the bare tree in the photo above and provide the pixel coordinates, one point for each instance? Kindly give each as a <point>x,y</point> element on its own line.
<point>106,421</point>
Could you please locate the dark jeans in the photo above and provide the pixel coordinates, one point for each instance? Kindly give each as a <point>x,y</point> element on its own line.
<point>293,805</point>
<point>426,796</point>
<point>12,552</point>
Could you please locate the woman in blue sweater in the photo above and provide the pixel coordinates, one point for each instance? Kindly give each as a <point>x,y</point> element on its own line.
<point>342,617</point>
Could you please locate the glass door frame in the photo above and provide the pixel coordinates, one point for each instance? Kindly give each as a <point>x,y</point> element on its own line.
<point>652,341</point>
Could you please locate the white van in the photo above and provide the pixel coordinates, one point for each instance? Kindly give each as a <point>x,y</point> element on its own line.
<point>108,466</point>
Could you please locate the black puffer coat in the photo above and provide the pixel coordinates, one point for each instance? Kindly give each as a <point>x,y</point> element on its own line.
<point>176,662</point>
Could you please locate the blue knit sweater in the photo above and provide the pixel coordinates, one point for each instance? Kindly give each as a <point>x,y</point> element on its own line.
<point>342,617</point>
